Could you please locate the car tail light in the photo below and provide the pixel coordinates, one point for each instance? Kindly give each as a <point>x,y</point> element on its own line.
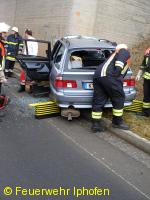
<point>129,82</point>
<point>60,83</point>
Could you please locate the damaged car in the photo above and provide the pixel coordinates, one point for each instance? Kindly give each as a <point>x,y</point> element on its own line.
<point>70,67</point>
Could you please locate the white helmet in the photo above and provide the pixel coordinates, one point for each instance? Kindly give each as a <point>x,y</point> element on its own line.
<point>4,27</point>
<point>121,46</point>
<point>15,29</point>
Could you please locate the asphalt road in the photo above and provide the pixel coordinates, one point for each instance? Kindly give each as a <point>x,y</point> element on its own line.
<point>54,153</point>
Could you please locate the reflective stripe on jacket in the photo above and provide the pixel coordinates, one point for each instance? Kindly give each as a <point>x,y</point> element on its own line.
<point>146,66</point>
<point>116,65</point>
<point>13,45</point>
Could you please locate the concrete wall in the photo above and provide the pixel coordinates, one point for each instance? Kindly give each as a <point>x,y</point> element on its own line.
<point>82,17</point>
<point>7,11</point>
<point>123,21</point>
<point>119,20</point>
<point>47,18</point>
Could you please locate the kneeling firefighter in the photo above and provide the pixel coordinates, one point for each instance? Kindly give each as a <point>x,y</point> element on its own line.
<point>145,73</point>
<point>108,83</point>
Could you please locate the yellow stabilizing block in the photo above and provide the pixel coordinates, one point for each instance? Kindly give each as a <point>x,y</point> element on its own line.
<point>44,109</point>
<point>135,107</point>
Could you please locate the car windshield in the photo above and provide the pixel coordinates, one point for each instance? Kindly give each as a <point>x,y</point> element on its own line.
<point>88,59</point>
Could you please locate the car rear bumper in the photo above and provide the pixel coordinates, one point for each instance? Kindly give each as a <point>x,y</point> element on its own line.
<point>80,101</point>
<point>80,106</point>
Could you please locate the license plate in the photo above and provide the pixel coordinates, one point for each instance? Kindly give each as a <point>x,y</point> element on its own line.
<point>88,86</point>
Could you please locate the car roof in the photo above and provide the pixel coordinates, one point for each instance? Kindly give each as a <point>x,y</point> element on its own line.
<point>87,42</point>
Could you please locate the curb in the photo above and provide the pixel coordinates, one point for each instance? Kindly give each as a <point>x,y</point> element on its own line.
<point>130,137</point>
<point>126,135</point>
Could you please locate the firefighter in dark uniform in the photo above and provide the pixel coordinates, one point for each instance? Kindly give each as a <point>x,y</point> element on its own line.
<point>108,83</point>
<point>14,44</point>
<point>145,73</point>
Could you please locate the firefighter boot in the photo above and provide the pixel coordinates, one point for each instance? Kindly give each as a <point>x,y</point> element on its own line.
<point>6,75</point>
<point>22,88</point>
<point>117,122</point>
<point>97,126</point>
<point>144,113</point>
<point>122,126</point>
<point>10,74</point>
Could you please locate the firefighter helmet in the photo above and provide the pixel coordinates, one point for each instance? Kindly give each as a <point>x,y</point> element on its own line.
<point>15,29</point>
<point>121,46</point>
<point>4,27</point>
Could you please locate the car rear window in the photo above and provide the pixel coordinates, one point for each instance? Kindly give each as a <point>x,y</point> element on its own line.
<point>88,59</point>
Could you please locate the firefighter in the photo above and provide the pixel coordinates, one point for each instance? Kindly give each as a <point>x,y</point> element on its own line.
<point>3,34</point>
<point>108,83</point>
<point>32,49</point>
<point>14,44</point>
<point>144,72</point>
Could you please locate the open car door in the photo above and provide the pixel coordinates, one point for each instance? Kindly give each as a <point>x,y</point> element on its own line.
<point>37,68</point>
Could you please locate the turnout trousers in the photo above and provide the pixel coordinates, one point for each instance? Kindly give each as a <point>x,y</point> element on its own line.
<point>146,99</point>
<point>108,88</point>
<point>9,66</point>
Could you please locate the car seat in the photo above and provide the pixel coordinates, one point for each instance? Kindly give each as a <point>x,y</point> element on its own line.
<point>75,62</point>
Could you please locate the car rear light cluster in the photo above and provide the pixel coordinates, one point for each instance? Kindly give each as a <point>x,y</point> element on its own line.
<point>60,83</point>
<point>129,82</point>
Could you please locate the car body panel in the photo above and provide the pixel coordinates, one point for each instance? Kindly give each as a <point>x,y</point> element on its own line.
<point>37,68</point>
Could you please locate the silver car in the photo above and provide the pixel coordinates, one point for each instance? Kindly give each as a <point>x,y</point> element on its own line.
<point>69,68</point>
<point>74,60</point>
